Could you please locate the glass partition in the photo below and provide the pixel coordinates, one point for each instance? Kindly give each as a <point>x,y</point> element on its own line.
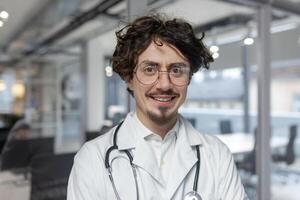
<point>285,90</point>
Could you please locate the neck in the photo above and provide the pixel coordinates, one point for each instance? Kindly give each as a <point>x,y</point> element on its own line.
<point>161,128</point>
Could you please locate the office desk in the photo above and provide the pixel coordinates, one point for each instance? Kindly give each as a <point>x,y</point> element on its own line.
<point>14,186</point>
<point>240,143</point>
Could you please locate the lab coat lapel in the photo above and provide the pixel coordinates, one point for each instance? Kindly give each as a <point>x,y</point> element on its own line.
<point>143,156</point>
<point>185,156</point>
<point>145,159</point>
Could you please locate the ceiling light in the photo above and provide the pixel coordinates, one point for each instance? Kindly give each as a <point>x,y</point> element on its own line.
<point>1,23</point>
<point>215,55</point>
<point>248,41</point>
<point>4,14</point>
<point>18,90</point>
<point>214,48</point>
<point>109,71</point>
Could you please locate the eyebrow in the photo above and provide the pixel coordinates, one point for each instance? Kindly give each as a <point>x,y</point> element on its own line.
<point>149,62</point>
<point>168,66</point>
<point>180,64</point>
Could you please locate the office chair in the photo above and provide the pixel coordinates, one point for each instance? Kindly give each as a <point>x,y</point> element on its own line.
<point>225,126</point>
<point>93,134</point>
<point>49,176</point>
<point>289,156</point>
<point>18,153</point>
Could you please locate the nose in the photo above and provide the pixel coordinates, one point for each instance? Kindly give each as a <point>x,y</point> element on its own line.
<point>164,82</point>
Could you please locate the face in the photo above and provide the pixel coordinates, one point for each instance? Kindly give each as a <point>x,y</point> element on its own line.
<point>159,102</point>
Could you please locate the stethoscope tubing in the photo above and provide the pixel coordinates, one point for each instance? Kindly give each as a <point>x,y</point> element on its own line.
<point>115,147</point>
<point>197,170</point>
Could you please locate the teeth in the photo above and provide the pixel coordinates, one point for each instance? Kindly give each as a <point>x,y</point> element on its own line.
<point>163,99</point>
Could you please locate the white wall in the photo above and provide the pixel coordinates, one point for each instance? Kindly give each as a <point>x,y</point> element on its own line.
<point>97,49</point>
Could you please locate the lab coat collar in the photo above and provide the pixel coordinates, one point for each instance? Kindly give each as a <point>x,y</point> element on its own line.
<point>127,133</point>
<point>127,138</point>
<point>143,155</point>
<point>183,162</point>
<point>193,136</point>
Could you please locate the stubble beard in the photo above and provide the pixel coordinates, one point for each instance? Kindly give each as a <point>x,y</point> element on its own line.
<point>163,118</point>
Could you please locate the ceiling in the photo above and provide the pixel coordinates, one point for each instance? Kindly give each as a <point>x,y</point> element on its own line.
<point>33,24</point>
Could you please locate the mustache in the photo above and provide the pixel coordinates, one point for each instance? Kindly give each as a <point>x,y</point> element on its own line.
<point>166,92</point>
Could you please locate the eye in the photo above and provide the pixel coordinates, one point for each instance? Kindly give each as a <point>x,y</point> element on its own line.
<point>177,70</point>
<point>149,69</point>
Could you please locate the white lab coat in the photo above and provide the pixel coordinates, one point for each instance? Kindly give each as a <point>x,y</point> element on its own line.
<point>218,177</point>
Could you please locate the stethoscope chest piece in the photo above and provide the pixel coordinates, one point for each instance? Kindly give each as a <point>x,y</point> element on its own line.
<point>192,196</point>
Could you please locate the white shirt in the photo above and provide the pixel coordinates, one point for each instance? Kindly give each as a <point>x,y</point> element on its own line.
<point>163,149</point>
<point>218,177</point>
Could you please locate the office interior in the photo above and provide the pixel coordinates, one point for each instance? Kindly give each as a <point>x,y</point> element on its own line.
<point>58,89</point>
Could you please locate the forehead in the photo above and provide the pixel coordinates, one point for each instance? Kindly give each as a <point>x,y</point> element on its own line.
<point>163,53</point>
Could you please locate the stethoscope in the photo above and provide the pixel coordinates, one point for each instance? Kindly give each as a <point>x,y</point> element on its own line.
<point>193,195</point>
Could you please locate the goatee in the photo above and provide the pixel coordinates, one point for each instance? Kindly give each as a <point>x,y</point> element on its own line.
<point>162,119</point>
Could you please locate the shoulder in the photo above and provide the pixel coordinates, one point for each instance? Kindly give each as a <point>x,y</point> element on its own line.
<point>99,145</point>
<point>216,149</point>
<point>95,148</point>
<point>213,141</point>
<point>209,142</point>
<point>87,178</point>
<point>215,153</point>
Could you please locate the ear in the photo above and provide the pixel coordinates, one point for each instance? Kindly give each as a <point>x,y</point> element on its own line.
<point>130,84</point>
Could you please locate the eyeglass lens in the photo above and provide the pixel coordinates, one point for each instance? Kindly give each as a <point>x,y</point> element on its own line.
<point>147,73</point>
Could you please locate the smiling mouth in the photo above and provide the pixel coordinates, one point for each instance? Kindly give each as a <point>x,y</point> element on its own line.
<point>163,99</point>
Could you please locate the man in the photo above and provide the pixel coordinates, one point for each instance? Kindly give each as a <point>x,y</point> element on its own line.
<point>155,153</point>
<point>15,153</point>
<point>21,147</point>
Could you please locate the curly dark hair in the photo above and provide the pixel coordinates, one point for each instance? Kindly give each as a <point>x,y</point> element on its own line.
<point>134,38</point>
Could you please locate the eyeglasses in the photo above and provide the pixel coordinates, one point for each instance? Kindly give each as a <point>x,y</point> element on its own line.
<point>148,73</point>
